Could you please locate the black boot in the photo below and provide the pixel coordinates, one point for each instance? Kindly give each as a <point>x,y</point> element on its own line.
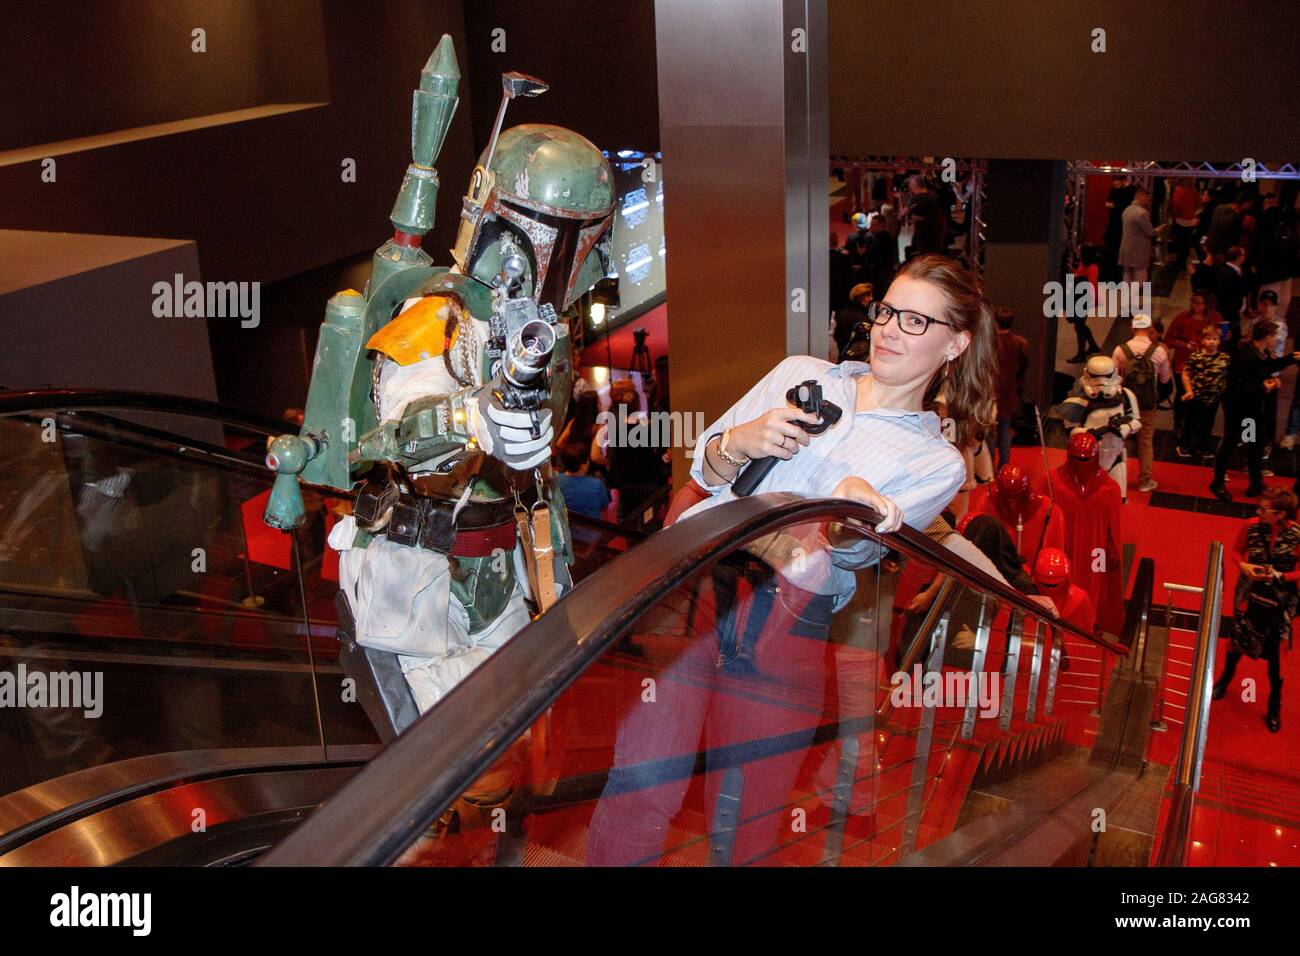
<point>1221,687</point>
<point>1274,718</point>
<point>1225,679</point>
<point>1219,491</point>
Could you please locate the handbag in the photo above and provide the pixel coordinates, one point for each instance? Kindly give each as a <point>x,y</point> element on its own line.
<point>1260,618</point>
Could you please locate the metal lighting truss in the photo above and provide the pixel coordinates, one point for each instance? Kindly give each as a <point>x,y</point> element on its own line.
<point>1147,169</point>
<point>1188,170</point>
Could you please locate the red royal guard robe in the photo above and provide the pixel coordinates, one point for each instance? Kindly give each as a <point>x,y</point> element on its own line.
<point>1078,609</point>
<point>1092,520</point>
<point>1044,528</point>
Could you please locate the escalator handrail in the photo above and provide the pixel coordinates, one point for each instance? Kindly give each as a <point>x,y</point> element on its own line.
<point>377,814</point>
<point>26,401</point>
<point>1196,724</point>
<point>85,399</point>
<point>156,441</point>
<point>41,807</point>
<point>1137,616</point>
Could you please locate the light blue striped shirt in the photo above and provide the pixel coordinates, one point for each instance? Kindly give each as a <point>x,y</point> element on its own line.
<point>902,454</point>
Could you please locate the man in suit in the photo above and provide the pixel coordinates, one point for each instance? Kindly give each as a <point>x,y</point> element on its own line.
<point>929,227</point>
<point>882,255</point>
<point>1230,292</point>
<point>1135,245</point>
<point>1118,199</point>
<point>1224,230</point>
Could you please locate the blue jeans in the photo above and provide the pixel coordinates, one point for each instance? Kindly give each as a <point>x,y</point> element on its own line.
<point>1005,434</point>
<point>753,689</point>
<point>1293,417</point>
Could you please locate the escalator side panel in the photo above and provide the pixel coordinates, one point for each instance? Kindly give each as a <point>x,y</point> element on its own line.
<point>196,822</point>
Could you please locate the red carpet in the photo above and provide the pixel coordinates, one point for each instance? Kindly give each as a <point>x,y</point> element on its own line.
<point>1248,809</point>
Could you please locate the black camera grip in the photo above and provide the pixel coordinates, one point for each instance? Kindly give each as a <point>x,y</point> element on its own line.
<point>753,474</point>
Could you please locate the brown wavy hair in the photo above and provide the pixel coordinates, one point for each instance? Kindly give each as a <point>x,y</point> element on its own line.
<point>969,389</point>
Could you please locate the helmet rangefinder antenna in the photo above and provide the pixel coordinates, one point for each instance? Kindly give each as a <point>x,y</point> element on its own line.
<point>512,85</point>
<point>807,396</point>
<point>481,181</point>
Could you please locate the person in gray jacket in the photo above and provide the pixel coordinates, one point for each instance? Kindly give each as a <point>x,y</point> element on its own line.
<point>1135,245</point>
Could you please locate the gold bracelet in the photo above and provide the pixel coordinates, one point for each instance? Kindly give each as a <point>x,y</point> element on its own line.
<point>722,452</point>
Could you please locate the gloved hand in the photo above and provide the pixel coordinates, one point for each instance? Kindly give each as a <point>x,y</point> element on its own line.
<point>506,433</point>
<point>1115,425</point>
<point>1122,425</point>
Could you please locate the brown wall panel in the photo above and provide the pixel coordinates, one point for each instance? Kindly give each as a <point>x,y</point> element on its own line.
<point>1181,79</point>
<point>78,69</point>
<point>96,328</point>
<point>264,199</point>
<point>722,107</point>
<point>727,317</point>
<point>599,59</point>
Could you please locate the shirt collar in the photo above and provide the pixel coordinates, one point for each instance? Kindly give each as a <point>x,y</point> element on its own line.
<point>849,369</point>
<point>927,422</point>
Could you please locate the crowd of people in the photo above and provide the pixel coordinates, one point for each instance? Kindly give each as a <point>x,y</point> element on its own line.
<point>903,215</point>
<point>599,475</point>
<point>1227,349</point>
<point>1240,247</point>
<point>1224,352</point>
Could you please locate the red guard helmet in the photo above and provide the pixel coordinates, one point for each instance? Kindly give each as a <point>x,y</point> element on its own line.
<point>1052,568</point>
<point>1083,447</point>
<point>1011,483</point>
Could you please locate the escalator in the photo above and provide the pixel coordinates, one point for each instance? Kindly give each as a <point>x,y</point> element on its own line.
<point>691,703</point>
<point>206,713</point>
<point>678,709</point>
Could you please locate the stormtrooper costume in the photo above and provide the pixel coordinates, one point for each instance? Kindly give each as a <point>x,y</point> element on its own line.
<point>1103,407</point>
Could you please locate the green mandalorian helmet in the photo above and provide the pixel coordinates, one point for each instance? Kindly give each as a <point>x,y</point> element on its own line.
<point>547,194</point>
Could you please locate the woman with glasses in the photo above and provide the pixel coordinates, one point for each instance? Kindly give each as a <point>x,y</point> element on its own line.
<point>751,676</point>
<point>932,330</point>
<point>1266,595</point>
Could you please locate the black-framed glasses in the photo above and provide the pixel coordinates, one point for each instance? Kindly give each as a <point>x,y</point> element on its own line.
<point>913,323</point>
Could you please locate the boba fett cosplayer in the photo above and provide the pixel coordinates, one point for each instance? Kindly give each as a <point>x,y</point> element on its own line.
<point>436,395</point>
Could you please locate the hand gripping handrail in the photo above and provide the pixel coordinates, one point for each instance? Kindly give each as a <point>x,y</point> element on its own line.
<point>1187,779</point>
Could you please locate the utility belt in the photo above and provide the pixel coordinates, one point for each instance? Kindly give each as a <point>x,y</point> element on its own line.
<point>422,521</point>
